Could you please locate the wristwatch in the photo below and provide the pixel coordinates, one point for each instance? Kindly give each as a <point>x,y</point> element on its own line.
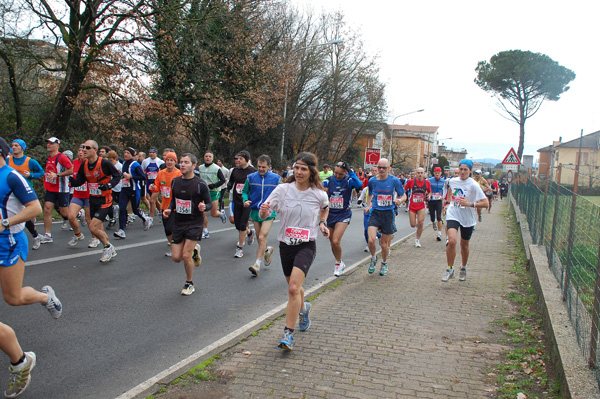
<point>5,223</point>
<point>322,221</point>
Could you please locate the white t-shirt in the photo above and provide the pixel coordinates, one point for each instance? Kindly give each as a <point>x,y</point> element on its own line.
<point>117,188</point>
<point>297,210</point>
<point>468,189</point>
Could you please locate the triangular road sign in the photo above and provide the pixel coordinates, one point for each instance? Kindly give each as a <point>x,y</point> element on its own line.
<point>511,158</point>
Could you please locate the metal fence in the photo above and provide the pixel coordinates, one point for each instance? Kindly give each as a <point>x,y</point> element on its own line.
<point>568,225</point>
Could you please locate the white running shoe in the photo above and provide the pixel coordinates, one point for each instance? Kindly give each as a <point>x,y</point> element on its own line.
<point>148,222</point>
<point>75,239</point>
<point>250,237</point>
<point>254,269</point>
<point>417,243</point>
<point>448,275</point>
<point>239,252</point>
<point>107,254</point>
<point>366,249</point>
<point>196,256</point>
<point>46,239</point>
<point>268,254</point>
<point>94,242</point>
<point>439,236</point>
<point>65,225</point>
<point>338,269</point>
<point>120,234</point>
<point>37,241</point>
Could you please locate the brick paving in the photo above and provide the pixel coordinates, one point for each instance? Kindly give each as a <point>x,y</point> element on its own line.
<point>405,335</point>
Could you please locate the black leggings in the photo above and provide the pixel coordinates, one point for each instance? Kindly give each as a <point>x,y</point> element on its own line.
<point>31,227</point>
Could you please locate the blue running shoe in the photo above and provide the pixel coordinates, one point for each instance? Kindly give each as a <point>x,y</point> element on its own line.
<point>372,266</point>
<point>53,304</point>
<point>383,270</point>
<point>304,321</point>
<point>287,341</point>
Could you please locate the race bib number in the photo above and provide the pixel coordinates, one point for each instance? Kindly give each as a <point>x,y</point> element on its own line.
<point>183,207</point>
<point>83,187</point>
<point>456,201</point>
<point>436,196</point>
<point>417,198</point>
<point>95,189</point>
<point>336,203</point>
<point>152,175</point>
<point>296,235</point>
<point>165,192</point>
<point>126,182</point>
<point>51,180</point>
<point>384,200</point>
<point>239,188</point>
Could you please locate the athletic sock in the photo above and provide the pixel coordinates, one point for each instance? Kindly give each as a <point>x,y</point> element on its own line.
<point>259,262</point>
<point>107,245</point>
<point>374,257</point>
<point>288,329</point>
<point>303,308</point>
<point>20,363</point>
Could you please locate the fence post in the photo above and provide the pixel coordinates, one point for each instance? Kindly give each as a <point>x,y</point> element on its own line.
<point>544,210</point>
<point>572,221</point>
<point>595,314</point>
<point>556,202</point>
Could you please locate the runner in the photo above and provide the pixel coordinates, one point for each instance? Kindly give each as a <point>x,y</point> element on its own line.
<point>190,198</point>
<point>223,188</point>
<point>436,204</point>
<point>151,166</point>
<point>485,187</point>
<point>30,169</point>
<point>241,215</point>
<point>18,204</point>
<point>465,194</point>
<point>340,187</point>
<point>495,189</point>
<point>130,193</point>
<point>58,170</point>
<point>101,176</point>
<point>259,185</point>
<point>382,188</point>
<point>326,173</point>
<point>503,189</point>
<point>116,190</point>
<point>162,184</point>
<point>420,190</point>
<point>303,208</point>
<point>79,201</point>
<point>213,176</point>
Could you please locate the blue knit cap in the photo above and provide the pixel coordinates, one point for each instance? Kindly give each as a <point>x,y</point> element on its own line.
<point>467,162</point>
<point>21,143</point>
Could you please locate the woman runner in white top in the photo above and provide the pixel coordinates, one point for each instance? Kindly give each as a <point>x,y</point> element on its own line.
<point>303,207</point>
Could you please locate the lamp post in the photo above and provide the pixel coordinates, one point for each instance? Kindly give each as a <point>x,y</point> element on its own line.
<point>287,84</point>
<point>392,131</point>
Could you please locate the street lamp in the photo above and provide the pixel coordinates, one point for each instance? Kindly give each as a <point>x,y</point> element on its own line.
<point>287,83</point>
<point>392,130</point>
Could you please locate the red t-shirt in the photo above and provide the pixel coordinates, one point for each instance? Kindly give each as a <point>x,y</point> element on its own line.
<point>57,164</point>
<point>418,193</point>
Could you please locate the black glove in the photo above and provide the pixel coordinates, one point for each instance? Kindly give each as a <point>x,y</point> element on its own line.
<point>105,187</point>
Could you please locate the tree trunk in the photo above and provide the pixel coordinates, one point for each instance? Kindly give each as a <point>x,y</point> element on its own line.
<point>13,86</point>
<point>522,119</point>
<point>57,121</point>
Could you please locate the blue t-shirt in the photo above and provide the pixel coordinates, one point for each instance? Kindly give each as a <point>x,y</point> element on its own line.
<point>437,187</point>
<point>340,192</point>
<point>383,192</point>
<point>13,196</point>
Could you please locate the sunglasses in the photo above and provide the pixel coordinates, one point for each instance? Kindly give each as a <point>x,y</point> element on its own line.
<point>86,147</point>
<point>382,167</point>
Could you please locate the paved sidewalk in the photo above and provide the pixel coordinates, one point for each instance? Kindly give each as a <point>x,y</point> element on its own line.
<point>405,335</point>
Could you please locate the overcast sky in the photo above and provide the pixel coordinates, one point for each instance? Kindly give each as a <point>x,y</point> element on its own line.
<point>428,51</point>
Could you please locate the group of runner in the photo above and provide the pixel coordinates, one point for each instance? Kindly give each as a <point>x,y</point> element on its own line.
<point>307,203</point>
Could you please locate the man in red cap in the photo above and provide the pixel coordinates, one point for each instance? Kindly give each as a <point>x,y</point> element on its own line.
<point>435,201</point>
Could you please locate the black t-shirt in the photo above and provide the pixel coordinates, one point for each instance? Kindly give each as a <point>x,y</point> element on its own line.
<point>186,195</point>
<point>237,179</point>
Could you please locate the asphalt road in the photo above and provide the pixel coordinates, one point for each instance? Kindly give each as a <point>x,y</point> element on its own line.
<point>125,321</point>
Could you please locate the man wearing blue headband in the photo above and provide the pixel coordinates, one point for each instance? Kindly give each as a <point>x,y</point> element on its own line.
<point>464,195</point>
<point>30,169</point>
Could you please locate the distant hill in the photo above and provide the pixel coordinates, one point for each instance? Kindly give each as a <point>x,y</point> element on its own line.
<point>493,161</point>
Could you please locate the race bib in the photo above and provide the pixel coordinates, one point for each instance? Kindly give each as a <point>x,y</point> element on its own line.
<point>417,198</point>
<point>456,201</point>
<point>94,189</point>
<point>126,182</point>
<point>296,235</point>
<point>336,203</point>
<point>51,180</point>
<point>83,187</point>
<point>384,200</point>
<point>239,188</point>
<point>152,175</point>
<point>183,207</point>
<point>165,191</point>
<point>436,196</point>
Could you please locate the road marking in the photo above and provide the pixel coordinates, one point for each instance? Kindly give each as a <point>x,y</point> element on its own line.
<point>186,363</point>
